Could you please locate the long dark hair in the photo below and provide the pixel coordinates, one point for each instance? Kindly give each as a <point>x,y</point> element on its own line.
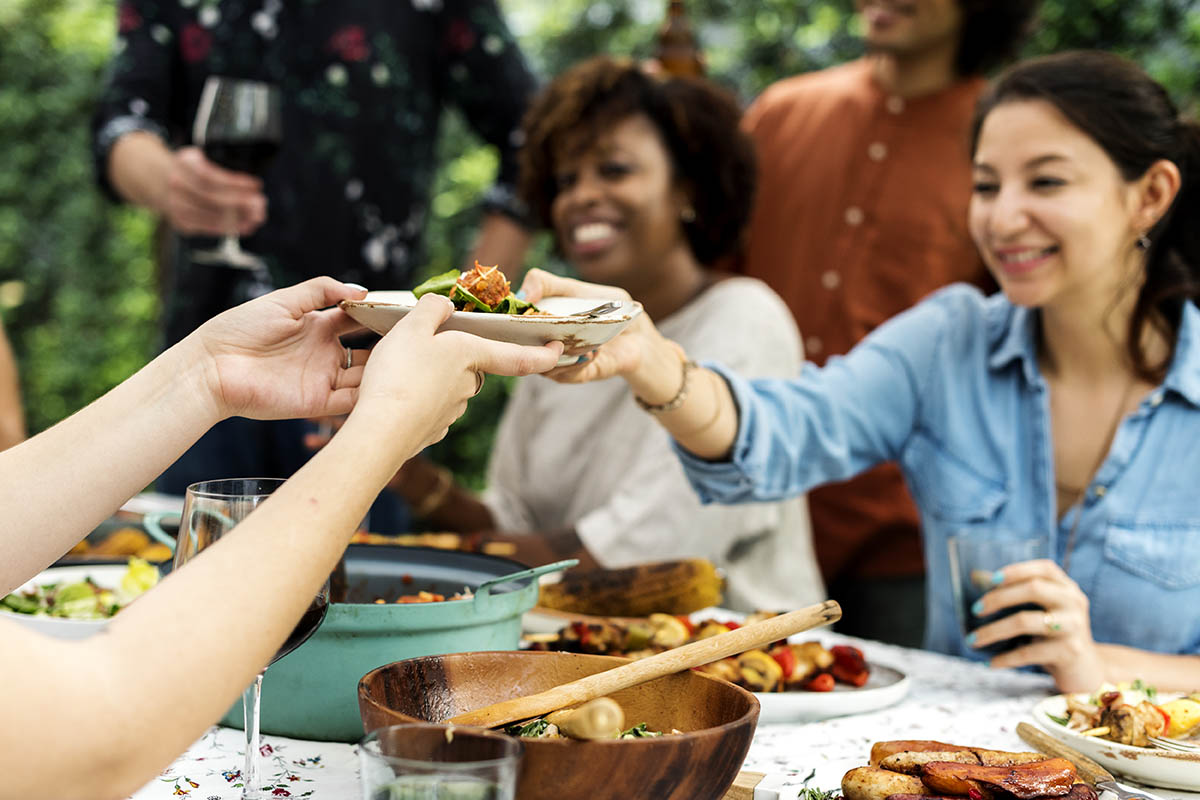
<point>1131,117</point>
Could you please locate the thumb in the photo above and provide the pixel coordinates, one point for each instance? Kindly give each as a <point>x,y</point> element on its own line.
<point>428,314</point>
<point>316,293</point>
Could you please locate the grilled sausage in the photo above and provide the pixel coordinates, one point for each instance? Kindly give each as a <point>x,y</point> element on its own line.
<point>910,761</point>
<point>881,750</point>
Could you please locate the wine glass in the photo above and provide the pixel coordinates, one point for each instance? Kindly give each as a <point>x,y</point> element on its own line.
<point>211,509</point>
<point>239,125</point>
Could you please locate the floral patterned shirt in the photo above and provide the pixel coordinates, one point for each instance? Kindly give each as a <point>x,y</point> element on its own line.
<point>364,83</point>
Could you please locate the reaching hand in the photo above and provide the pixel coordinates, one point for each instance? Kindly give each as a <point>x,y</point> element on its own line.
<point>1062,631</point>
<point>278,356</point>
<point>203,198</point>
<point>426,378</point>
<point>621,355</point>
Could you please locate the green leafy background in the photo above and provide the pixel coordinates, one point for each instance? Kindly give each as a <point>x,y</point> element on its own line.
<point>78,287</point>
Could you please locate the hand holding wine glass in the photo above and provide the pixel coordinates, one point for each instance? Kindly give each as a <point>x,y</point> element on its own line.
<point>239,125</point>
<point>200,197</point>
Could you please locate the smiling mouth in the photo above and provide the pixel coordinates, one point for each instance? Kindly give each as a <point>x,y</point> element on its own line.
<point>1025,259</point>
<point>591,232</point>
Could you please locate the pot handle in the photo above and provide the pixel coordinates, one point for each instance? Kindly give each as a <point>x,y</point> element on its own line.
<point>485,589</point>
<point>152,523</point>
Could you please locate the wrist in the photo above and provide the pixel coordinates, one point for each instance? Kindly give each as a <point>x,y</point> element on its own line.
<point>661,373</point>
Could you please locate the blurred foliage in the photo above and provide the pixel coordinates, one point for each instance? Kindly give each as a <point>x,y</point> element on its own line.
<point>77,286</point>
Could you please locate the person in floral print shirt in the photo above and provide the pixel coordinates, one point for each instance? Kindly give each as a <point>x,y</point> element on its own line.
<point>364,84</point>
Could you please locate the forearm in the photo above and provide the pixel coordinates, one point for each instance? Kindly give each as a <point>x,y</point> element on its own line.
<point>100,457</point>
<point>1163,671</point>
<point>706,422</point>
<point>432,494</point>
<point>138,165</point>
<point>234,604</point>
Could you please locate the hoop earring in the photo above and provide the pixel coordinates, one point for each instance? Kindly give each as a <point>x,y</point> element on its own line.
<point>1143,243</point>
<point>688,214</point>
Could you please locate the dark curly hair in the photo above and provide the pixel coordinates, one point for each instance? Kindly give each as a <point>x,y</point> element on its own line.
<point>1134,121</point>
<point>698,121</point>
<point>991,33</point>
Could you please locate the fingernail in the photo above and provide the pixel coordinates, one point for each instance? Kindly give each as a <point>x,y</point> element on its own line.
<point>970,640</point>
<point>977,608</point>
<point>998,577</point>
<point>583,358</point>
<point>520,294</point>
<point>356,286</point>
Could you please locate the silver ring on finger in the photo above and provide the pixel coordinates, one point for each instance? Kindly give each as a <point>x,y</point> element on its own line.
<point>1052,625</point>
<point>349,359</point>
<point>478,382</point>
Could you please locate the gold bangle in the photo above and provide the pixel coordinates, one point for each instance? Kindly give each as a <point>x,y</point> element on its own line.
<point>434,498</point>
<point>676,401</point>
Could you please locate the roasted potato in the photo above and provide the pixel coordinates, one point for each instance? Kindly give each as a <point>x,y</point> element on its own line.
<point>876,783</point>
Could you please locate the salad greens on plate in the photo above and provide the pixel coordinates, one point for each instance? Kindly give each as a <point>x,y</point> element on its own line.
<point>83,599</point>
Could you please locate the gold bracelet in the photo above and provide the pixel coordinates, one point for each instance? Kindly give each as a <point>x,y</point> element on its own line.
<point>434,498</point>
<point>676,401</point>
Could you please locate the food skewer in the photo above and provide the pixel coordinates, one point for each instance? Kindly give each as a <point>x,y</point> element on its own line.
<point>704,651</point>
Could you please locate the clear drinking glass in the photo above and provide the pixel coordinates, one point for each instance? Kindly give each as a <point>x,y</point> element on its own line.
<point>975,556</point>
<point>211,509</point>
<point>239,125</point>
<point>423,761</point>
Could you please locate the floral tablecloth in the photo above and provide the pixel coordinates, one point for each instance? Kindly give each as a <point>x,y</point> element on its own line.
<point>949,699</point>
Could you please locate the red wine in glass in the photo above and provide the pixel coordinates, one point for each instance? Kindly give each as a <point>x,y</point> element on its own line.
<point>305,628</point>
<point>239,125</point>
<point>249,155</point>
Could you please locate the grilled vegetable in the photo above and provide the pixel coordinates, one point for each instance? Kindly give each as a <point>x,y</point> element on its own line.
<point>1183,716</point>
<point>876,783</point>
<point>760,672</point>
<point>1052,777</point>
<point>670,587</point>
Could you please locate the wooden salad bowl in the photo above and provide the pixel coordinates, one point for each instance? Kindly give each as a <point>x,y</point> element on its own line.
<point>717,720</point>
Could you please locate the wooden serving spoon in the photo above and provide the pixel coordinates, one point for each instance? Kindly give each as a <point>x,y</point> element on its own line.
<point>704,651</point>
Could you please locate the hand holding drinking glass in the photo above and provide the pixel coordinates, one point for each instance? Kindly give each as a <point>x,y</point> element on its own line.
<point>212,509</point>
<point>239,126</point>
<point>1055,627</point>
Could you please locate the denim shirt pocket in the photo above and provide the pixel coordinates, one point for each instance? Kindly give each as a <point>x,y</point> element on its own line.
<point>1150,574</point>
<point>947,486</point>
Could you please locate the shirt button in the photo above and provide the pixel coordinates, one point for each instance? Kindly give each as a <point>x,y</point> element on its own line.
<point>877,151</point>
<point>830,280</point>
<point>895,104</point>
<point>1100,491</point>
<point>1156,399</point>
<point>854,216</point>
<point>813,345</point>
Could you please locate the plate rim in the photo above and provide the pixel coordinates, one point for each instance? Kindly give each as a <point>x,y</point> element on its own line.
<point>117,569</point>
<point>635,308</point>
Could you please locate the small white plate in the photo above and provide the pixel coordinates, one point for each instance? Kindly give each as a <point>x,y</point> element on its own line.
<point>1146,765</point>
<point>379,311</point>
<point>885,687</point>
<point>107,576</point>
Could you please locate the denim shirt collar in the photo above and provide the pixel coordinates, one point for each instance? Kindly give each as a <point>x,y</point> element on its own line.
<point>1013,330</point>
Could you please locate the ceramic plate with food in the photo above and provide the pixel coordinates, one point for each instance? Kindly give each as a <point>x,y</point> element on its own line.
<point>800,680</point>
<point>77,601</point>
<point>487,308</point>
<point>1145,764</point>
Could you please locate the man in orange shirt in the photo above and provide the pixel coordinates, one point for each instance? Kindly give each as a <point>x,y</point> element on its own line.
<point>864,179</point>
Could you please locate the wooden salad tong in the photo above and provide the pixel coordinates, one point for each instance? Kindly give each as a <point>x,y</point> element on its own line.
<point>704,651</point>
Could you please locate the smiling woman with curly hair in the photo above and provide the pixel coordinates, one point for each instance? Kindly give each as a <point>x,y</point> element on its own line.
<point>645,183</point>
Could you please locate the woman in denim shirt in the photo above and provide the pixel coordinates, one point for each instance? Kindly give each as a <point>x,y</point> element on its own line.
<point>1067,404</point>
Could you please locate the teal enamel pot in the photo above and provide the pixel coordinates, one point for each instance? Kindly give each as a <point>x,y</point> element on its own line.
<point>312,693</point>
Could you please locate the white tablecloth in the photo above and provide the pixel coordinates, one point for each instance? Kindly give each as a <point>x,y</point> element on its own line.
<point>949,699</point>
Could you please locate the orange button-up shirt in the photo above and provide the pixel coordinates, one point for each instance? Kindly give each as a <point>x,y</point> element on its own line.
<point>861,211</point>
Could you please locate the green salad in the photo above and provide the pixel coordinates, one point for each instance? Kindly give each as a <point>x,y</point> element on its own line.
<point>482,289</point>
<point>83,599</point>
